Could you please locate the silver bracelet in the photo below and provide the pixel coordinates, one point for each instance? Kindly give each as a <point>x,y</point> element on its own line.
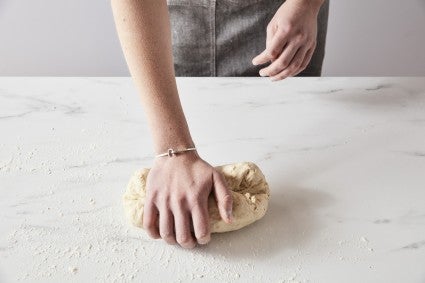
<point>172,152</point>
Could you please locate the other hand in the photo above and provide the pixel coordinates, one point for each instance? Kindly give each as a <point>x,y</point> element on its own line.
<point>291,39</point>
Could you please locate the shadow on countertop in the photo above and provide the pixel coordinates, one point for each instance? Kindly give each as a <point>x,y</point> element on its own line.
<point>290,222</point>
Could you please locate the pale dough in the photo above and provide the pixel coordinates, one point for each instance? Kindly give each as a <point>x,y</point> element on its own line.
<point>248,186</point>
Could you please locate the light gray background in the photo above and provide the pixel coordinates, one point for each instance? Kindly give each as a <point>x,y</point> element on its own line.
<point>78,38</point>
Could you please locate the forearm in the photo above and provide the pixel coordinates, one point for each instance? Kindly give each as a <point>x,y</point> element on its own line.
<point>143,29</point>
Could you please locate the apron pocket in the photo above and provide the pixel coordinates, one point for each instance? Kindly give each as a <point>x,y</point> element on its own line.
<point>191,30</point>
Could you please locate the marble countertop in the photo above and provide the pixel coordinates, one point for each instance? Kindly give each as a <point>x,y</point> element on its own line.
<point>344,158</point>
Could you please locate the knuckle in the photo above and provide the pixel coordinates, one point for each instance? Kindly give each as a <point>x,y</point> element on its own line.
<point>273,53</point>
<point>288,27</point>
<point>284,63</point>
<point>195,198</point>
<point>162,199</point>
<point>169,238</point>
<point>184,240</point>
<point>272,71</point>
<point>281,35</point>
<point>278,67</point>
<point>299,38</point>
<point>297,64</point>
<point>203,234</point>
<point>302,36</point>
<point>179,199</point>
<point>166,234</point>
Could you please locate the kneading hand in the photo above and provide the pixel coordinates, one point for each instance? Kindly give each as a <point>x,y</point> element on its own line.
<point>177,191</point>
<point>291,39</point>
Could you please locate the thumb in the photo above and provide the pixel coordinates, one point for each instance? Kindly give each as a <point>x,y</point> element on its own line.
<point>223,197</point>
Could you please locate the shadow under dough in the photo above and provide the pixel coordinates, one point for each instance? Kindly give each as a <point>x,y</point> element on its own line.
<point>289,223</point>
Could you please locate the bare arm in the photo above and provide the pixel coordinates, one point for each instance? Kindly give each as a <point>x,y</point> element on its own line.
<point>177,188</point>
<point>144,31</point>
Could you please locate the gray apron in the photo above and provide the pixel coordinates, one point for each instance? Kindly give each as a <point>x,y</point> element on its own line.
<point>219,38</point>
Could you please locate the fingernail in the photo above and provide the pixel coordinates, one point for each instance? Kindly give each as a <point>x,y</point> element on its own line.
<point>262,73</point>
<point>205,240</point>
<point>254,63</point>
<point>229,215</point>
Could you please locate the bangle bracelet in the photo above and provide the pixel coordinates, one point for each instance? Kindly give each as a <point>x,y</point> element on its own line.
<point>172,152</point>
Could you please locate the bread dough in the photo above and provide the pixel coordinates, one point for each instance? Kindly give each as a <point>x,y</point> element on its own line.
<point>248,186</point>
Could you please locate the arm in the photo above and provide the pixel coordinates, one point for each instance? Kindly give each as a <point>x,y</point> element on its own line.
<point>177,188</point>
<point>144,31</point>
<point>291,39</point>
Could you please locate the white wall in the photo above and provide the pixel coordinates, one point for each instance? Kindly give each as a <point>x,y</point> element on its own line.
<point>376,38</point>
<point>78,38</point>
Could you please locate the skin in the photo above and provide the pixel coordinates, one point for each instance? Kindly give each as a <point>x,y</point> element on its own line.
<point>291,39</point>
<point>176,207</point>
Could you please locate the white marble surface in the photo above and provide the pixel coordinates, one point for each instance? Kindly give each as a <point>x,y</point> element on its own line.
<point>344,158</point>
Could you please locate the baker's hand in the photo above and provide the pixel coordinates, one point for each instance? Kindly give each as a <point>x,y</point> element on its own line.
<point>177,190</point>
<point>291,39</point>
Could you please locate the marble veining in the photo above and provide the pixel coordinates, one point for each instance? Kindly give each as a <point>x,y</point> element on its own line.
<point>344,158</point>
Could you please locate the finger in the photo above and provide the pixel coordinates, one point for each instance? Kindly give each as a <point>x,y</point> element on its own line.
<point>303,65</point>
<point>261,58</point>
<point>293,67</point>
<point>270,32</point>
<point>150,219</point>
<point>282,62</point>
<point>274,47</point>
<point>182,227</point>
<point>166,226</point>
<point>307,58</point>
<point>223,197</point>
<point>201,225</point>
<point>297,61</point>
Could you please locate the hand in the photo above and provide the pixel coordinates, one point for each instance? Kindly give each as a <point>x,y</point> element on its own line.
<point>177,190</point>
<point>291,39</point>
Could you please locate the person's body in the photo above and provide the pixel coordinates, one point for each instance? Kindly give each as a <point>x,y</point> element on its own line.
<point>178,186</point>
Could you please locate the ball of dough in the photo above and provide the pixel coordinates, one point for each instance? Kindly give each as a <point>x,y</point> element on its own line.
<point>248,186</point>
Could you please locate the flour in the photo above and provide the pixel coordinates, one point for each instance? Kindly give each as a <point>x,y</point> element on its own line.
<point>73,269</point>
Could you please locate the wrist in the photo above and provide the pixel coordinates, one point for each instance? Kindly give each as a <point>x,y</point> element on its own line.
<point>177,150</point>
<point>186,156</point>
<point>173,151</point>
<point>313,5</point>
<point>174,141</point>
